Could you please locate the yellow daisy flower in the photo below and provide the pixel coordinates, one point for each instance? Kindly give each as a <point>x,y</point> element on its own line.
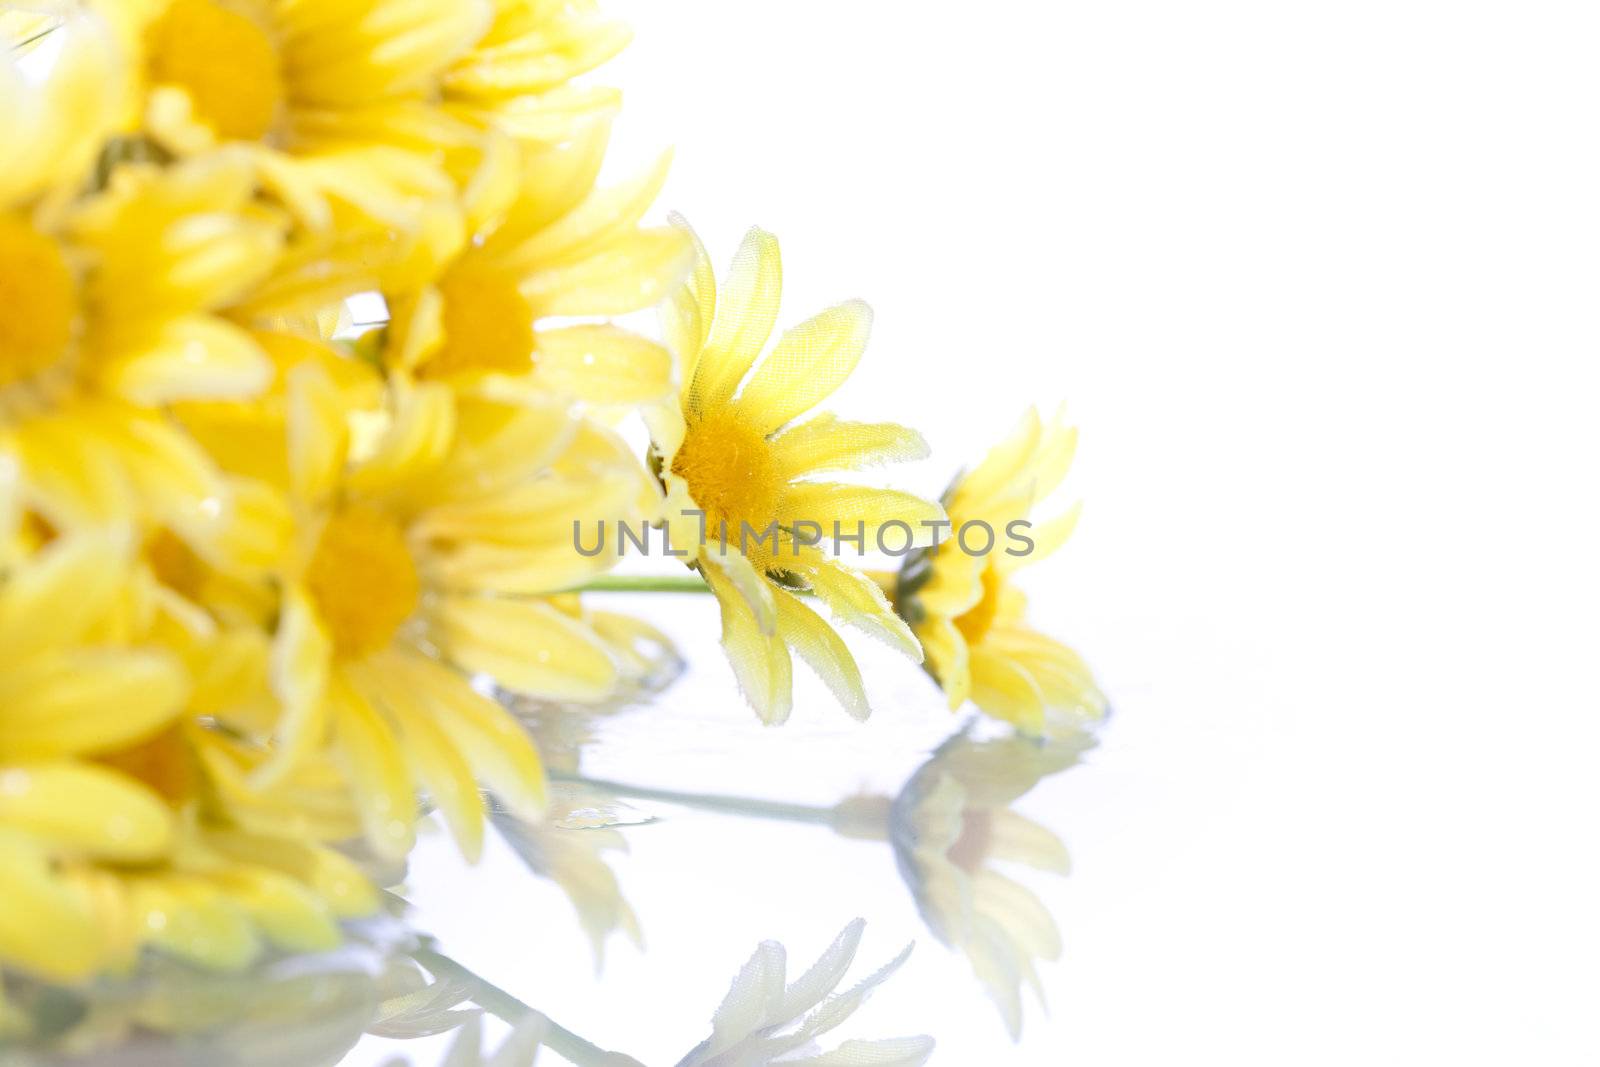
<point>969,615</point>
<point>341,96</point>
<point>558,247</point>
<point>518,76</point>
<point>113,835</point>
<point>145,294</point>
<point>223,892</point>
<point>423,552</point>
<point>737,456</point>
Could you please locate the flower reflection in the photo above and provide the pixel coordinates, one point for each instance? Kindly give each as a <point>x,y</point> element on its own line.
<point>519,1049</point>
<point>574,859</point>
<point>950,827</point>
<point>764,1020</point>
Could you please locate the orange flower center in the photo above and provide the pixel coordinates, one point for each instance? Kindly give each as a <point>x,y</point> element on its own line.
<point>363,580</point>
<point>731,476</point>
<point>488,326</point>
<point>224,61</point>
<point>39,296</point>
<point>164,763</point>
<point>175,564</point>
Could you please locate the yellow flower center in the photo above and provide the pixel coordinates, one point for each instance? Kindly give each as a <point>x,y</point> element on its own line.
<point>488,326</point>
<point>224,61</point>
<point>363,580</point>
<point>731,476</point>
<point>977,620</point>
<point>39,296</point>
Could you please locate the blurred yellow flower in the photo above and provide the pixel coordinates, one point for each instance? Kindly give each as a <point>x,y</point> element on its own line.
<point>115,306</point>
<point>554,246</point>
<point>967,612</point>
<point>114,835</point>
<point>735,455</point>
<point>422,555</point>
<point>338,100</point>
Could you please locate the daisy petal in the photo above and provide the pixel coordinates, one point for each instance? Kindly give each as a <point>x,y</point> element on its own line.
<point>1006,691</point>
<point>824,652</point>
<point>87,809</point>
<point>42,927</point>
<point>857,600</point>
<point>493,743</point>
<point>760,659</point>
<point>434,760</point>
<point>632,273</point>
<point>687,315</point>
<point>602,364</point>
<point>747,309</point>
<point>854,507</point>
<point>946,655</point>
<point>826,443</point>
<point>527,646</point>
<point>808,363</point>
<point>377,770</point>
<point>64,590</point>
<point>192,357</point>
<point>318,436</point>
<point>86,700</point>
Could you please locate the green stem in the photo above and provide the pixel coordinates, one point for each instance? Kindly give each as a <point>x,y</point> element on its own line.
<point>748,807</point>
<point>643,583</point>
<point>496,1001</point>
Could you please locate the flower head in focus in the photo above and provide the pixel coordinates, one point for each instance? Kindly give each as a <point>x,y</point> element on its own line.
<point>766,1020</point>
<point>732,450</point>
<point>969,614</point>
<point>949,825</point>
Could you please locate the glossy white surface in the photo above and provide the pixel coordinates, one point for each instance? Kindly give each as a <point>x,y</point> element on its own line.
<point>1319,283</point>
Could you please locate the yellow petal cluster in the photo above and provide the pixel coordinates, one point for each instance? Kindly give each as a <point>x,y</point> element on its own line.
<point>263,578</point>
<point>273,580</point>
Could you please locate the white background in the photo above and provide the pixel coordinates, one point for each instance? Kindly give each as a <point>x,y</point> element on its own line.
<point>1319,283</point>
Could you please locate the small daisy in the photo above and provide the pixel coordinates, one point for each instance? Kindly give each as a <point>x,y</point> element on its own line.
<point>968,613</point>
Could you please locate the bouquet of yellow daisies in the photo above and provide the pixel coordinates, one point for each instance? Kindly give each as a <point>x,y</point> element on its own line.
<point>270,576</point>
